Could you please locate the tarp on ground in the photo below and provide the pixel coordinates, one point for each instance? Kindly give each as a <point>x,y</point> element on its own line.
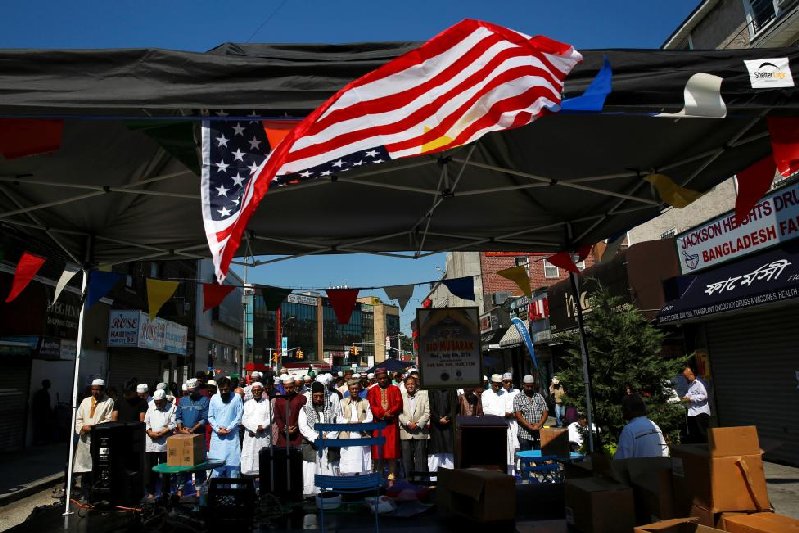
<point>124,186</point>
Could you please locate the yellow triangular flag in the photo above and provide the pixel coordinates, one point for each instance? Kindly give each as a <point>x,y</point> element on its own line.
<point>670,192</point>
<point>158,292</point>
<point>518,275</point>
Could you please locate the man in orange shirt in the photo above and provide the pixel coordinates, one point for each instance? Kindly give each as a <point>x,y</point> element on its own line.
<point>385,401</point>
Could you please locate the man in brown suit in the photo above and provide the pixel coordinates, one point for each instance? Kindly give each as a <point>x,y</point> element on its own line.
<point>414,431</point>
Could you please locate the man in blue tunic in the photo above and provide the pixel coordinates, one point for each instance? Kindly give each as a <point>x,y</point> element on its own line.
<point>224,415</point>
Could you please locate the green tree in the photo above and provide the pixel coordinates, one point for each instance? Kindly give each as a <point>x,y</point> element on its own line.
<point>624,351</point>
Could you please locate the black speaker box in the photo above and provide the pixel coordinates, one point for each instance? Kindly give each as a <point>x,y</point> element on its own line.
<point>287,482</point>
<point>117,463</point>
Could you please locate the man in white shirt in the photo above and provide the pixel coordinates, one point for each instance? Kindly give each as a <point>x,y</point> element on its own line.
<point>698,407</point>
<point>640,437</point>
<point>510,415</point>
<point>493,400</point>
<point>159,423</point>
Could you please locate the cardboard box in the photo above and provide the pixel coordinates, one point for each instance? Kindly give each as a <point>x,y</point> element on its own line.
<point>759,523</point>
<point>185,450</point>
<point>481,495</point>
<point>736,440</point>
<point>729,483</point>
<point>595,505</point>
<point>704,516</point>
<point>676,525</point>
<point>555,442</point>
<point>651,481</point>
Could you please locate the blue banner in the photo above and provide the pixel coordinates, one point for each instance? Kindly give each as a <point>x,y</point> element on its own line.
<point>522,329</point>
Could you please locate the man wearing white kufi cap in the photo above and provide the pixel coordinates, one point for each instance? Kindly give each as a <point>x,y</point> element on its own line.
<point>531,413</point>
<point>510,417</point>
<point>287,412</point>
<point>95,409</point>
<point>257,422</point>
<point>493,401</point>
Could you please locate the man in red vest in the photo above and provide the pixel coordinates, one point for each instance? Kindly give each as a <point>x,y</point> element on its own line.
<point>385,400</point>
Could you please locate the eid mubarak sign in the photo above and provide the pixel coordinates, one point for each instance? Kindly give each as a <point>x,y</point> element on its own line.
<point>773,220</point>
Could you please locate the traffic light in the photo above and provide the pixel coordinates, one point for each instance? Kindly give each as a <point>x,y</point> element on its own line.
<point>357,350</point>
<point>353,350</point>
<point>300,355</point>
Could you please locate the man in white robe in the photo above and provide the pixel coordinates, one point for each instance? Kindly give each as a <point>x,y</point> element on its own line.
<point>257,421</point>
<point>494,404</point>
<point>354,409</point>
<point>96,409</point>
<point>319,409</point>
<point>510,416</point>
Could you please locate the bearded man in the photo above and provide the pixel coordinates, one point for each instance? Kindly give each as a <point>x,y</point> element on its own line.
<point>257,422</point>
<point>385,400</point>
<point>320,410</point>
<point>224,416</point>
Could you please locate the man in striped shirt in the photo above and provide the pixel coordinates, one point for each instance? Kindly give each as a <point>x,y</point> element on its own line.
<point>531,413</point>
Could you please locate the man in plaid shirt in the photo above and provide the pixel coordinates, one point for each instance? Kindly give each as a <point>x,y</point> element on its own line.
<point>531,413</point>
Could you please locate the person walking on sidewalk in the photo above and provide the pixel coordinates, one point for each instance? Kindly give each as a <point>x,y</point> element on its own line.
<point>698,407</point>
<point>96,409</point>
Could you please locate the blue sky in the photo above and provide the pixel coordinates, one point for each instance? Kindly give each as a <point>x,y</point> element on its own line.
<point>198,25</point>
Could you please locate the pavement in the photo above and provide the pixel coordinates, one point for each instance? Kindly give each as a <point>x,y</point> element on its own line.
<point>31,482</point>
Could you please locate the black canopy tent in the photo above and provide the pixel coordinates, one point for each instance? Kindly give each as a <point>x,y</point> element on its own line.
<point>124,183</point>
<point>118,191</point>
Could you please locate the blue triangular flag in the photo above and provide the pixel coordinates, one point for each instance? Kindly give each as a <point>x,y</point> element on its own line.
<point>461,287</point>
<point>100,284</point>
<point>593,99</point>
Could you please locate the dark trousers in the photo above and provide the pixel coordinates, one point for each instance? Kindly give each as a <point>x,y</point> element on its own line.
<point>529,444</point>
<point>414,456</point>
<point>151,459</point>
<point>697,428</point>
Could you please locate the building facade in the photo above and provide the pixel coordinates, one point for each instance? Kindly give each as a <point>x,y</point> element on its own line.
<point>219,335</point>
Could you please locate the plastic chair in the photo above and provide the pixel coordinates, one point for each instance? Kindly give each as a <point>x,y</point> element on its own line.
<point>351,484</point>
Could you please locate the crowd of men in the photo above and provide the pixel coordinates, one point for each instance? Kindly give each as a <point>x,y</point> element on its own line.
<point>238,420</point>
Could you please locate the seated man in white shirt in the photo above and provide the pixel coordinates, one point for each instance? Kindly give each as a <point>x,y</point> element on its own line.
<point>640,437</point>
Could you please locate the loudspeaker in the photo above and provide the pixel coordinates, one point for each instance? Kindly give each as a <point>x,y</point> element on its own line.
<point>117,450</point>
<point>288,474</point>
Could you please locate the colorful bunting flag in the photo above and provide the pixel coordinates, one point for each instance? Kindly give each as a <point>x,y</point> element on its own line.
<point>213,294</point>
<point>593,99</point>
<point>69,272</point>
<point>27,267</point>
<point>703,99</point>
<point>273,296</point>
<point>158,293</point>
<point>100,284</point>
<point>401,293</point>
<point>784,132</point>
<point>518,275</point>
<point>277,130</point>
<point>563,260</point>
<point>461,287</point>
<point>670,192</point>
<point>753,183</point>
<point>343,302</point>
<point>22,136</point>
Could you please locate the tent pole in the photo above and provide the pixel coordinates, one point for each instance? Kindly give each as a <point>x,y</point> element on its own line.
<point>75,397</point>
<point>589,408</point>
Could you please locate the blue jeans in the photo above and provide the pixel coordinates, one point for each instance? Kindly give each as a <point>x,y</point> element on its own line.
<point>560,412</point>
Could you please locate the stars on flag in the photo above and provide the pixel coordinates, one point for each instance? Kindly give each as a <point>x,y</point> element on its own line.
<point>377,154</point>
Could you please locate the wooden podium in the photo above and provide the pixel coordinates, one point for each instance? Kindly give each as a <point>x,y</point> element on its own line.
<point>481,441</point>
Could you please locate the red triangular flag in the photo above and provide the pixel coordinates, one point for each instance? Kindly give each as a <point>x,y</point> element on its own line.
<point>276,130</point>
<point>213,294</point>
<point>563,260</point>
<point>27,267</point>
<point>22,136</point>
<point>343,302</point>
<point>583,251</point>
<point>784,133</point>
<point>753,183</point>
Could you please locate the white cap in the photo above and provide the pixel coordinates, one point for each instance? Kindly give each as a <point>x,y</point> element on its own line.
<point>340,374</point>
<point>287,379</point>
<point>506,376</point>
<point>141,388</point>
<point>257,384</point>
<point>306,377</point>
<point>160,386</point>
<point>528,379</point>
<point>191,384</point>
<point>485,378</point>
<point>159,394</point>
<point>256,375</point>
<point>370,375</point>
<point>325,379</point>
<point>211,383</point>
<point>496,378</point>
<point>99,382</point>
<point>184,387</point>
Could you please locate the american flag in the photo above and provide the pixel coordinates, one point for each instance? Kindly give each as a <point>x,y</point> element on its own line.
<point>473,78</point>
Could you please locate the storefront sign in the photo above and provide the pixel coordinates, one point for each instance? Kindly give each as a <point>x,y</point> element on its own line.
<point>449,347</point>
<point>773,220</point>
<point>301,299</point>
<point>175,338</point>
<point>152,333</point>
<point>123,328</point>
<point>770,276</point>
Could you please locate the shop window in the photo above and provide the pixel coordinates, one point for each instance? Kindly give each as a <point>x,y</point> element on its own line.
<point>759,14</point>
